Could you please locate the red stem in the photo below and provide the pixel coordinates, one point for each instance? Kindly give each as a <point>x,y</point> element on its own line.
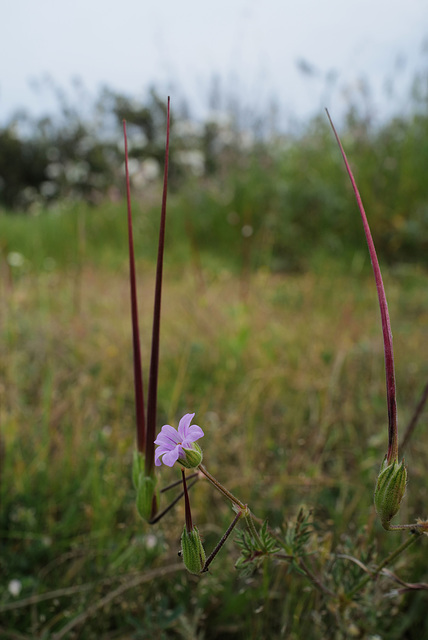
<point>138,376</point>
<point>386,325</point>
<point>154,361</point>
<point>187,511</point>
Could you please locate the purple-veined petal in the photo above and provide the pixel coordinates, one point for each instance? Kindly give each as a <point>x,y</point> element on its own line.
<point>168,436</point>
<point>171,457</point>
<point>162,449</point>
<point>184,424</point>
<point>160,452</point>
<point>163,441</point>
<point>194,433</point>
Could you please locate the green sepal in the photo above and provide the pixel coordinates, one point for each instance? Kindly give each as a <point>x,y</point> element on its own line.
<point>146,491</point>
<point>192,551</point>
<point>390,489</point>
<point>193,457</point>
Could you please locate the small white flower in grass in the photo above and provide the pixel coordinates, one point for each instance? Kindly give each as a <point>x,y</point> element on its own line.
<point>179,445</point>
<point>14,587</point>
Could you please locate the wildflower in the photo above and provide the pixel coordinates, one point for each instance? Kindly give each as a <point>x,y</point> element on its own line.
<point>179,444</point>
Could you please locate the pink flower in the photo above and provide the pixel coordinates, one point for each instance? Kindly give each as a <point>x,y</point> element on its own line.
<point>172,442</point>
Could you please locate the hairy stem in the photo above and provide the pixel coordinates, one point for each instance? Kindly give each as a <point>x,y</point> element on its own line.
<point>222,541</point>
<point>251,528</point>
<point>392,556</point>
<point>222,489</point>
<point>417,526</point>
<point>243,508</point>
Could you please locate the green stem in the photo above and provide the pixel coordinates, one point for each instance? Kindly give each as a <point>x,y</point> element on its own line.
<point>252,529</point>
<point>392,556</point>
<point>244,510</point>
<point>422,526</point>
<point>222,489</point>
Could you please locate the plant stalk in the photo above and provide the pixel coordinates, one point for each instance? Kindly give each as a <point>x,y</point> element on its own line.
<point>392,556</point>
<point>222,489</point>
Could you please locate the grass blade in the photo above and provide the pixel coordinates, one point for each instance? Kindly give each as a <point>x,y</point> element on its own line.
<point>386,325</point>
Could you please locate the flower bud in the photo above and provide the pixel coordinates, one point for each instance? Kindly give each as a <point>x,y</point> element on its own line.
<point>192,550</point>
<point>390,489</point>
<point>193,457</point>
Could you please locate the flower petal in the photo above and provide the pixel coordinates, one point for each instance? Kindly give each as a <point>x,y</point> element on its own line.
<point>162,449</point>
<point>171,457</point>
<point>168,436</point>
<point>194,433</point>
<point>184,424</point>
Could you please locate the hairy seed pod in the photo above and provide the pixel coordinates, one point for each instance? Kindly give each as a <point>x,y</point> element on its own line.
<point>192,550</point>
<point>390,489</point>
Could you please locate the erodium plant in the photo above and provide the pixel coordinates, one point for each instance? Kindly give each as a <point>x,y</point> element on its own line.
<point>296,543</point>
<point>173,445</point>
<point>392,479</point>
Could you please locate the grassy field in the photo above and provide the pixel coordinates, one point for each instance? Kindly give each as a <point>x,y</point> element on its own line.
<point>285,374</point>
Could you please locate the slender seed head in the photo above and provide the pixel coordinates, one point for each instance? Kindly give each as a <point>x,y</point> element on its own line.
<point>154,358</point>
<point>392,453</point>
<point>138,375</point>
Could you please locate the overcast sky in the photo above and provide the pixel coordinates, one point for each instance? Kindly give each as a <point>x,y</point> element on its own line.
<point>258,48</point>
